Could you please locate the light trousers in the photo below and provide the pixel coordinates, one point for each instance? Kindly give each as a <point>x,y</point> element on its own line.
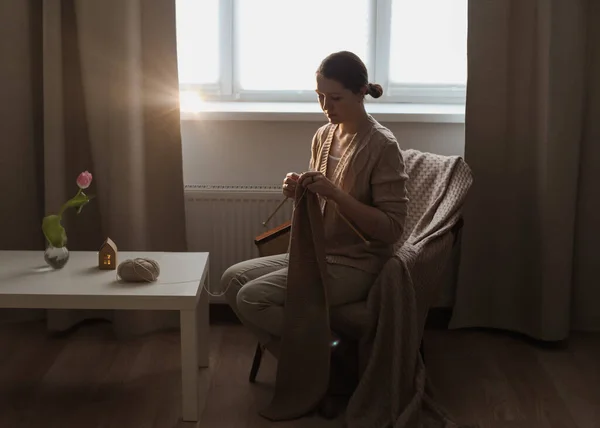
<point>255,290</point>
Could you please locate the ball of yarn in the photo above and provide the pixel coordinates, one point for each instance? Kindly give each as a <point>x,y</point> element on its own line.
<point>138,270</point>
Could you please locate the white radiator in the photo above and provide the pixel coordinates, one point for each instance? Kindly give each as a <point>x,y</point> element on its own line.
<point>224,220</point>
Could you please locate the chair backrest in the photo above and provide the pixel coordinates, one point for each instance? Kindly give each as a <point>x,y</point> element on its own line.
<point>437,187</point>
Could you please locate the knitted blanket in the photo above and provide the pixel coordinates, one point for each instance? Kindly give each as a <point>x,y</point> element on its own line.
<point>304,356</point>
<point>394,390</point>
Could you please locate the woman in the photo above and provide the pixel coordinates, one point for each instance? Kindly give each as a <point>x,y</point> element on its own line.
<point>357,170</point>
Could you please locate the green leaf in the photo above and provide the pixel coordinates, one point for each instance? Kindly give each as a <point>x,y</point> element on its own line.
<point>77,201</point>
<point>53,231</point>
<point>89,198</point>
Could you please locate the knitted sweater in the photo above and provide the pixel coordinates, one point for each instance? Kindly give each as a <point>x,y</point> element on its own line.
<point>372,171</point>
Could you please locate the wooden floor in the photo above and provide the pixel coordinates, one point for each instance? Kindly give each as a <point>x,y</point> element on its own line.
<point>90,379</point>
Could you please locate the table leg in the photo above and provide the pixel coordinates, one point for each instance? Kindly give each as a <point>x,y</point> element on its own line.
<point>189,364</point>
<point>203,328</point>
<point>194,354</point>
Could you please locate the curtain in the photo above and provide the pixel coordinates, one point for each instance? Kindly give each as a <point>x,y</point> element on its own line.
<point>102,95</point>
<point>21,130</point>
<point>529,249</point>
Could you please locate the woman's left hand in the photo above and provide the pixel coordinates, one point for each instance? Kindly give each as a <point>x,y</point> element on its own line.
<point>316,182</point>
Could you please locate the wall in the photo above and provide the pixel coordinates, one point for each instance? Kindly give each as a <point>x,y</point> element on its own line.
<point>261,153</point>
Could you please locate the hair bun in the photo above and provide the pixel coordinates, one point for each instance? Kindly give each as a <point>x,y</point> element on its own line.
<point>375,90</point>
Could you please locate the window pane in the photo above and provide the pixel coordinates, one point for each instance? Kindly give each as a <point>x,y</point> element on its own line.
<point>198,41</point>
<point>429,42</point>
<point>281,43</point>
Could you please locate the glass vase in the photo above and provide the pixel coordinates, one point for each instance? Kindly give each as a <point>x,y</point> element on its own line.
<point>56,257</point>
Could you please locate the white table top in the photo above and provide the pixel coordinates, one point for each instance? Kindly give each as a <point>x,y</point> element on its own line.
<point>26,281</point>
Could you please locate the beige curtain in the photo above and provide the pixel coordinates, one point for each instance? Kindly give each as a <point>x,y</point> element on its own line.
<point>529,253</point>
<point>102,95</point>
<point>21,130</point>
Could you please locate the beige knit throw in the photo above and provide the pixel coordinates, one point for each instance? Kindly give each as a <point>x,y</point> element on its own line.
<point>303,366</point>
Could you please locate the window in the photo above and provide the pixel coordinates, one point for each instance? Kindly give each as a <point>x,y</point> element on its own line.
<point>198,42</point>
<point>268,50</point>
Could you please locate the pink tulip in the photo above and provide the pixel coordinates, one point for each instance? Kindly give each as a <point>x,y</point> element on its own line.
<point>84,180</point>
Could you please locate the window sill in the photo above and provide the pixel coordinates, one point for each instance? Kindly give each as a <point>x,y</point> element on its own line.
<point>309,112</point>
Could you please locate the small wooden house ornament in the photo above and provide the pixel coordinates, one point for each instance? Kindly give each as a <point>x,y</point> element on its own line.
<point>107,256</point>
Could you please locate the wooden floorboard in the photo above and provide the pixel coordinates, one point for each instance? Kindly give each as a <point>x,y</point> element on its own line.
<point>90,378</point>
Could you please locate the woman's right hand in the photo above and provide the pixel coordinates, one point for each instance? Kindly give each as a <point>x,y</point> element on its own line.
<point>289,184</point>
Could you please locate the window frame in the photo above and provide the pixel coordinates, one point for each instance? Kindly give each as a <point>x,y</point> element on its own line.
<point>227,89</point>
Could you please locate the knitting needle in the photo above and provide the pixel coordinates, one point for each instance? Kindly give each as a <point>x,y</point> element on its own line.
<point>360,235</point>
<point>274,212</point>
<point>352,227</point>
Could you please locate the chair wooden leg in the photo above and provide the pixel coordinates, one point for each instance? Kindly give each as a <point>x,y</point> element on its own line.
<point>256,363</point>
<point>422,351</point>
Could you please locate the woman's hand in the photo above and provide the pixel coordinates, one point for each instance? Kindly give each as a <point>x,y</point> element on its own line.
<point>316,182</point>
<point>289,184</point>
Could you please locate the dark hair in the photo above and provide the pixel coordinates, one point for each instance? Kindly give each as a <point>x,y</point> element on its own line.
<point>348,69</point>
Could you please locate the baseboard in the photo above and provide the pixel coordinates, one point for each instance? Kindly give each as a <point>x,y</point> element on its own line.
<point>437,319</point>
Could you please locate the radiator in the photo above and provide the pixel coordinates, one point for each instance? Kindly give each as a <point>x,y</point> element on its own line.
<point>224,220</point>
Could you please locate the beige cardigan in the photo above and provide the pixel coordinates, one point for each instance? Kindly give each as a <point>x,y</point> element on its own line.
<point>372,171</point>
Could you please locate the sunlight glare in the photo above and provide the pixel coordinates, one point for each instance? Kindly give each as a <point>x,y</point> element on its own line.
<point>191,102</point>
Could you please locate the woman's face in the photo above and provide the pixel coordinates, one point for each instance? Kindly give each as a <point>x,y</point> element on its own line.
<point>338,103</point>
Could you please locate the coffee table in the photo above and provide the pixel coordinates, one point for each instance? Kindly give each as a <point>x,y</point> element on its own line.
<point>27,282</point>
